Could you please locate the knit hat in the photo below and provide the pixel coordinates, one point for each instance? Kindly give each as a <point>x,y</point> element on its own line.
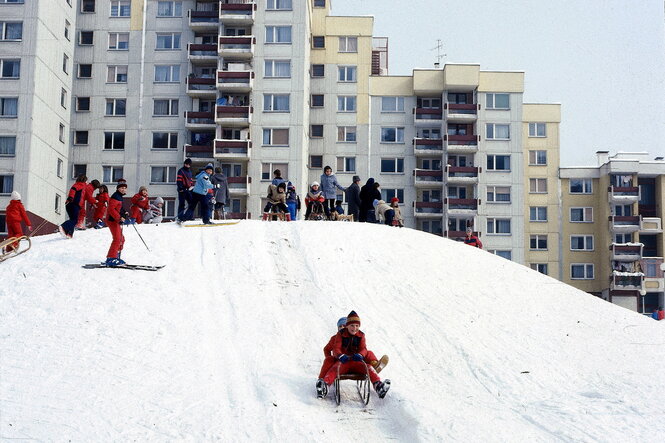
<point>341,322</point>
<point>159,200</point>
<point>122,181</point>
<point>143,188</point>
<point>188,161</point>
<point>121,185</point>
<point>209,166</point>
<point>15,196</point>
<point>352,318</point>
<point>394,200</point>
<point>315,184</point>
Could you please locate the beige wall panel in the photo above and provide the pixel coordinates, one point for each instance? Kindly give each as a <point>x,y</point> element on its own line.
<point>136,17</point>
<point>427,81</point>
<point>351,26</point>
<point>392,85</point>
<point>501,82</point>
<point>535,112</point>
<point>461,76</point>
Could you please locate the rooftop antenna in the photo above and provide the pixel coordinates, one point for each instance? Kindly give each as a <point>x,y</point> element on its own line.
<point>439,55</point>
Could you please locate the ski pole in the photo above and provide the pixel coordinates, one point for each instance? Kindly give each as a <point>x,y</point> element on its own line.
<point>137,231</point>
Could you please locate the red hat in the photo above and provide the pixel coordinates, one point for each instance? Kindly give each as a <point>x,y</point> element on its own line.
<point>394,200</point>
<point>352,318</point>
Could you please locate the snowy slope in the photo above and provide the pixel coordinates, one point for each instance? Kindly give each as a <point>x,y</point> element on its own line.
<point>225,342</point>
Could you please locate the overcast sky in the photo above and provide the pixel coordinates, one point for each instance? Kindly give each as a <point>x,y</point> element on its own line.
<point>602,60</point>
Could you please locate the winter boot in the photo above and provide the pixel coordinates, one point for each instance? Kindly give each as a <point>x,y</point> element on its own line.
<point>381,387</point>
<point>321,388</point>
<point>112,261</point>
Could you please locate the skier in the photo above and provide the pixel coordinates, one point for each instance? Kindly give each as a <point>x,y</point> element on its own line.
<point>115,216</point>
<point>185,184</point>
<point>154,213</point>
<point>15,214</point>
<point>140,203</point>
<point>201,195</point>
<point>472,239</point>
<point>328,185</point>
<point>79,193</point>
<point>102,202</point>
<point>292,200</point>
<point>221,187</point>
<point>277,198</point>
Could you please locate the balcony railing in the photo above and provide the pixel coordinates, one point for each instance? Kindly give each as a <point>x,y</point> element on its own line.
<point>428,208</point>
<point>651,225</point>
<point>235,80</point>
<point>237,10</point>
<point>625,194</point>
<point>201,85</point>
<point>199,118</point>
<point>624,223</point>
<point>428,177</point>
<point>626,280</point>
<point>203,19</point>
<point>462,173</point>
<point>427,146</point>
<point>466,140</point>
<point>626,252</point>
<point>455,108</point>
<point>458,235</point>
<point>242,46</point>
<point>199,151</point>
<point>232,149</point>
<point>201,50</point>
<point>466,204</point>
<point>427,114</point>
<point>233,115</point>
<point>239,185</point>
<point>654,280</point>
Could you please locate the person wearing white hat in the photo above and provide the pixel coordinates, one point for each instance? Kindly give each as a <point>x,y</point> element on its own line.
<point>15,214</point>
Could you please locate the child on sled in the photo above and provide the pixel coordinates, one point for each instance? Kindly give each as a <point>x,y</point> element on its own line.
<point>314,201</point>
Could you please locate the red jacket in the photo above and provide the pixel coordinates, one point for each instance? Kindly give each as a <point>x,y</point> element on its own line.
<point>661,315</point>
<point>139,202</point>
<point>115,210</point>
<point>15,213</point>
<point>328,349</point>
<point>473,241</point>
<point>102,202</point>
<point>348,344</point>
<point>79,193</point>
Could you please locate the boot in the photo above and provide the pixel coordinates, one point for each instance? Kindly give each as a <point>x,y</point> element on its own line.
<point>217,215</point>
<point>321,388</point>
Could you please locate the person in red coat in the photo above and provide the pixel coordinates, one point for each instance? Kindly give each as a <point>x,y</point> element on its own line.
<point>472,239</point>
<point>102,202</point>
<point>140,203</point>
<point>79,193</point>
<point>15,214</point>
<point>92,186</point>
<point>115,215</point>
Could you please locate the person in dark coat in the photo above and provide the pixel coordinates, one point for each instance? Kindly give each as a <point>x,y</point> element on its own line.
<point>368,194</point>
<point>353,198</point>
<point>185,184</point>
<point>221,189</point>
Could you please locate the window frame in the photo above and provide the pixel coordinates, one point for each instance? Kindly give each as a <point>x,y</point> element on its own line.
<point>92,38</point>
<point>535,158</point>
<point>348,164</point>
<point>537,188</point>
<point>2,107</point>
<point>494,192</point>
<point>271,136</point>
<point>398,100</point>
<point>584,212</point>
<point>538,214</point>
<point>175,40</point>
<point>586,239</point>
<point>536,242</point>
<point>317,70</point>
<point>494,127</point>
<point>3,30</point>
<point>313,133</point>
<point>313,105</point>
<point>539,267</point>
<point>344,132</point>
<point>120,5</point>
<point>586,268</point>
<point>113,140</point>
<point>584,182</point>
<point>2,182</point>
<point>77,142</point>
<point>168,171</point>
<point>399,134</point>
<point>170,143</point>
<point>319,159</point>
<point>273,63</point>
<point>343,73</point>
<point>119,40</point>
<point>493,96</point>
<point>344,48</point>
<point>318,42</point>
<point>347,103</point>
<point>272,32</point>
<point>171,112</point>
<point>169,77</point>
<point>115,102</point>
<point>112,170</point>
<point>535,132</point>
<point>398,165</point>
<point>80,100</point>
<point>269,103</point>
<point>115,73</point>
<point>273,5</point>
<point>173,9</point>
<point>493,223</point>
<point>11,151</point>
<point>493,158</point>
<point>3,61</point>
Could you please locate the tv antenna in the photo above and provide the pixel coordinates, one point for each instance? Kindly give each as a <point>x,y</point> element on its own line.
<point>439,55</point>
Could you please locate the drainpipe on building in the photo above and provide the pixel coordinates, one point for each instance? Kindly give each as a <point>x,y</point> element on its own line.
<point>141,86</point>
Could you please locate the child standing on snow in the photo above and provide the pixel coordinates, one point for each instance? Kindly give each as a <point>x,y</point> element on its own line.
<point>154,213</point>
<point>15,214</point>
<point>292,200</point>
<point>114,218</point>
<point>140,203</point>
<point>102,203</point>
<point>328,186</point>
<point>397,219</point>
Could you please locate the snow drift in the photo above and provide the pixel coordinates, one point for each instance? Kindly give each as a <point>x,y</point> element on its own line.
<point>225,342</point>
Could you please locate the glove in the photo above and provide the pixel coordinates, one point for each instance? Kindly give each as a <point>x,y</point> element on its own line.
<point>357,357</point>
<point>344,358</point>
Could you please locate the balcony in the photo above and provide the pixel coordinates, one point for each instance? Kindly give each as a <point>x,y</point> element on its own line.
<point>624,195</point>
<point>624,224</point>
<point>461,206</point>
<point>626,281</point>
<point>199,54</point>
<point>235,81</point>
<point>428,178</point>
<point>238,215</point>
<point>427,116</point>
<point>653,278</point>
<point>237,12</point>
<point>626,252</point>
<point>428,209</point>
<point>233,116</point>
<point>427,146</point>
<point>199,120</point>
<point>651,225</point>
<point>239,185</point>
<point>203,152</point>
<point>458,235</point>
<point>201,87</point>
<point>462,174</point>
<point>241,47</point>
<point>461,113</point>
<point>232,149</point>
<point>202,21</point>
<point>461,144</point>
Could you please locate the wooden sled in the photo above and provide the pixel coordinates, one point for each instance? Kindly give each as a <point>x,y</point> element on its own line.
<point>22,245</point>
<point>274,216</point>
<point>340,217</point>
<point>362,384</point>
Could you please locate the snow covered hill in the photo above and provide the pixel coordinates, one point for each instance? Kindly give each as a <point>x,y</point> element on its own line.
<point>225,342</point>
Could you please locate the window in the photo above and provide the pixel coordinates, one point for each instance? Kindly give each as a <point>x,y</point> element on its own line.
<point>63,98</point>
<point>346,164</point>
<point>459,98</point>
<point>538,242</point>
<point>61,132</point>
<point>85,71</point>
<point>6,184</point>
<point>318,70</point>
<point>348,44</point>
<point>507,254</point>
<point>167,73</point>
<point>430,133</point>
<point>168,40</point>
<point>162,174</point>
<point>111,174</point>
<point>317,101</point>
<point>59,167</point>
<point>346,134</point>
<point>267,168</point>
<point>388,194</point>
<point>392,104</point>
<point>498,226</point>
<point>497,101</point>
<point>276,137</point>
<point>581,271</point>
<point>80,137</point>
<point>279,4</point>
<point>82,104</point>
<point>538,213</point>
<point>346,103</point>
<point>581,242</point>
<point>116,106</point>
<point>347,74</point>
<point>165,107</point>
<point>13,31</point>
<point>277,68</point>
<point>498,194</point>
<point>65,63</point>
<point>316,161</point>
<point>540,267</point>
<point>86,38</point>
<point>275,102</point>
<point>8,107</point>
<point>537,130</point>
<point>581,186</point>
<point>116,74</point>
<point>319,3</point>
<point>87,6</point>
<point>119,41</point>
<point>278,34</point>
<point>7,146</point>
<point>77,170</point>
<point>10,68</point>
<point>538,185</point>
<point>392,135</point>
<point>316,131</point>
<point>429,103</point>
<point>114,140</point>
<point>120,8</point>
<point>496,131</point>
<point>164,140</point>
<point>58,204</point>
<point>318,42</point>
<point>537,158</point>
<point>581,215</point>
<point>392,165</point>
<point>169,9</point>
<point>498,162</point>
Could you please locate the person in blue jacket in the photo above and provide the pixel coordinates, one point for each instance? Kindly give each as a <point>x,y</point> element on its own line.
<point>292,200</point>
<point>201,194</point>
<point>328,185</point>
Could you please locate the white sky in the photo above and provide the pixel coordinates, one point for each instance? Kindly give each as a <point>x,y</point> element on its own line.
<point>603,60</point>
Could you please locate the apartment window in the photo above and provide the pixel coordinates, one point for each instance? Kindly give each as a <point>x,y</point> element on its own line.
<point>537,130</point>
<point>346,164</point>
<point>65,63</point>
<point>429,103</point>
<point>275,137</point>
<point>277,68</point>
<point>540,267</point>
<point>6,184</point>
<point>116,74</point>
<point>164,140</point>
<point>497,101</point>
<point>537,158</point>
<point>61,132</point>
<point>80,137</point>
<point>111,174</point>
<point>82,104</point>
<point>346,134</point>
<point>392,165</point>
<point>162,174</point>
<point>167,73</point>
<point>581,215</point>
<point>165,107</point>
<point>316,161</point>
<point>318,70</point>
<point>78,170</point>
<point>392,135</point>
<point>267,168</point>
<point>120,8</point>
<point>581,242</point>
<point>498,194</point>
<point>7,146</point>
<point>538,185</point>
<point>10,68</point>
<point>316,131</point>
<point>170,208</point>
<point>498,226</point>
<point>114,140</point>
<point>86,38</point>
<point>319,3</point>
<point>168,40</point>
<point>347,74</point>
<point>317,101</point>
<point>318,42</point>
<point>498,162</point>
<point>275,102</point>
<point>346,103</point>
<point>8,107</point>
<point>279,4</point>
<point>63,98</point>
<point>119,41</point>
<point>430,133</point>
<point>278,34</point>
<point>388,194</point>
<point>538,242</point>
<point>85,71</point>
<point>392,104</point>
<point>538,213</point>
<point>581,186</point>
<point>348,44</point>
<point>507,254</point>
<point>169,9</point>
<point>58,204</point>
<point>87,6</point>
<point>581,271</point>
<point>12,31</point>
<point>497,131</point>
<point>58,168</point>
<point>116,106</point>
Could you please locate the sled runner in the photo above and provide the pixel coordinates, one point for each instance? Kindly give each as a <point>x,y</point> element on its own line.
<point>201,225</point>
<point>125,266</point>
<point>362,384</point>
<point>274,216</point>
<point>318,212</point>
<point>14,246</point>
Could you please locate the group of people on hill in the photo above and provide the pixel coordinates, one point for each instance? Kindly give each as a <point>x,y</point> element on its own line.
<point>658,314</point>
<point>208,189</point>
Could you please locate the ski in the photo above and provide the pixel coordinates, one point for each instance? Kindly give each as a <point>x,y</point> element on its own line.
<point>125,266</point>
<point>212,225</point>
